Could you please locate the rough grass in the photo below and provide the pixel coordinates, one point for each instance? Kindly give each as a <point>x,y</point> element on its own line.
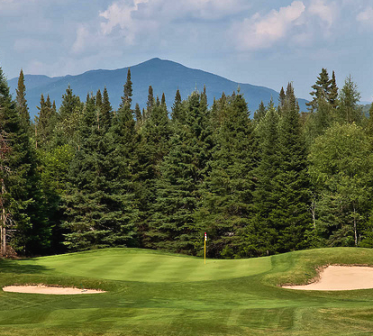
<point>152,293</point>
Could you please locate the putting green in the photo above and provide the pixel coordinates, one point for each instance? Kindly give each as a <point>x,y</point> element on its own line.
<point>147,266</point>
<point>158,294</point>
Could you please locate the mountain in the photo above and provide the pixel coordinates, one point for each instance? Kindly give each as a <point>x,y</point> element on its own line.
<point>163,76</point>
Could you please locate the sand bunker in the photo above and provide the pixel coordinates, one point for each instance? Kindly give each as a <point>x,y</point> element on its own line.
<point>337,278</point>
<point>42,289</point>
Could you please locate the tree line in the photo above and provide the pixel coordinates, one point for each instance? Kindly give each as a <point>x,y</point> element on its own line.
<point>88,176</point>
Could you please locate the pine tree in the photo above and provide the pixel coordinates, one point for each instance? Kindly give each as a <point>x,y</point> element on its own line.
<point>96,205</point>
<point>127,91</point>
<point>98,98</point>
<point>173,224</point>
<point>349,111</point>
<point>150,102</point>
<point>24,202</point>
<point>292,184</point>
<point>177,110</point>
<point>333,92</point>
<point>106,111</point>
<point>21,100</point>
<point>227,191</point>
<point>155,145</point>
<point>138,115</point>
<point>281,98</point>
<point>163,101</point>
<point>260,112</point>
<point>44,122</point>
<point>321,89</point>
<point>261,234</point>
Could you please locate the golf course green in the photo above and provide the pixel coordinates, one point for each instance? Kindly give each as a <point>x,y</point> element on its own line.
<point>155,293</point>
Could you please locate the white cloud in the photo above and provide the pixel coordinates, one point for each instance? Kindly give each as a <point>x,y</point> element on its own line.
<point>366,17</point>
<point>260,32</point>
<point>82,36</point>
<point>326,12</point>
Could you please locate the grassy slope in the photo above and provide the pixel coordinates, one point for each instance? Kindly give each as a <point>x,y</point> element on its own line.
<point>152,293</point>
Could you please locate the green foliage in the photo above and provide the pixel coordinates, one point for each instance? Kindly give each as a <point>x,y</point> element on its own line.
<point>173,225</point>
<point>291,215</point>
<point>340,167</point>
<point>23,200</point>
<point>97,203</point>
<point>349,111</point>
<point>227,190</point>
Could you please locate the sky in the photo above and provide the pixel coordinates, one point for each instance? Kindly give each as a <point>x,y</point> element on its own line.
<point>267,43</point>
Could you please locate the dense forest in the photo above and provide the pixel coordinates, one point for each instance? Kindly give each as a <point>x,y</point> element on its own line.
<point>88,176</point>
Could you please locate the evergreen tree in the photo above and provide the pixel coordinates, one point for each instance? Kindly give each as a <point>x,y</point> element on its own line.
<point>321,89</point>
<point>150,102</point>
<point>261,235</point>
<point>155,145</point>
<point>44,122</point>
<point>127,91</point>
<point>333,92</point>
<point>227,191</point>
<point>349,111</point>
<point>281,98</point>
<point>21,100</point>
<point>24,202</point>
<point>106,111</point>
<point>138,115</point>
<point>96,205</point>
<point>292,184</point>
<point>98,98</point>
<point>178,189</point>
<point>163,101</point>
<point>260,112</point>
<point>177,110</point>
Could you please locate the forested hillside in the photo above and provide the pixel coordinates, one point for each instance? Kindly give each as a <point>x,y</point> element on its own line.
<point>164,76</point>
<point>260,182</point>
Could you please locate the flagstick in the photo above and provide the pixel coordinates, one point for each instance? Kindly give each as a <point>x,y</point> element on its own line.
<point>205,248</point>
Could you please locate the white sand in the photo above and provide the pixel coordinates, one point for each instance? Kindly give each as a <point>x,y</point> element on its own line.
<point>337,278</point>
<point>42,289</point>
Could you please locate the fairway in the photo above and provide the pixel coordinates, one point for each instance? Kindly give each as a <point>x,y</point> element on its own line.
<point>155,293</point>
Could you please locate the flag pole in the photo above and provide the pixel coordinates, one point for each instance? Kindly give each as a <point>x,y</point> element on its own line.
<point>205,248</point>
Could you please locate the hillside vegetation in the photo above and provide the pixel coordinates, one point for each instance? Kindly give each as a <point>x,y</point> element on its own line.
<point>86,176</point>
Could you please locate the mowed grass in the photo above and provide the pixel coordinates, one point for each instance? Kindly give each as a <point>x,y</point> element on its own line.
<point>154,293</point>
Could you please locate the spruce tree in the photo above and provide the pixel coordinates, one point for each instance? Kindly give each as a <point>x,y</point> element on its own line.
<point>150,102</point>
<point>333,92</point>
<point>96,204</point>
<point>178,190</point>
<point>24,202</point>
<point>321,89</point>
<point>21,101</point>
<point>260,112</point>
<point>227,191</point>
<point>292,184</point>
<point>349,110</point>
<point>155,145</point>
<point>177,110</point>
<point>127,91</point>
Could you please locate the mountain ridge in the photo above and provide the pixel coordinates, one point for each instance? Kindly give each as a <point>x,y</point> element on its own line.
<point>164,76</point>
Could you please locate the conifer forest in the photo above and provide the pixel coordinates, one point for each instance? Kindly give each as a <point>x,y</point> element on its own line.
<point>87,175</point>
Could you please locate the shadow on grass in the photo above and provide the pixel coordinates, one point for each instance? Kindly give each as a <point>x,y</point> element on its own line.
<point>14,266</point>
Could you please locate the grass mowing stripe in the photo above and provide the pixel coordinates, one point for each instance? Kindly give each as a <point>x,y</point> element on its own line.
<point>224,297</point>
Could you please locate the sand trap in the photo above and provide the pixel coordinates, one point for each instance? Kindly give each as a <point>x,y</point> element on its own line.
<point>337,278</point>
<point>41,289</point>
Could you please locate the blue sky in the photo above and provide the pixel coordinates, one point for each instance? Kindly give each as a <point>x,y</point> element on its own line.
<point>266,43</point>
